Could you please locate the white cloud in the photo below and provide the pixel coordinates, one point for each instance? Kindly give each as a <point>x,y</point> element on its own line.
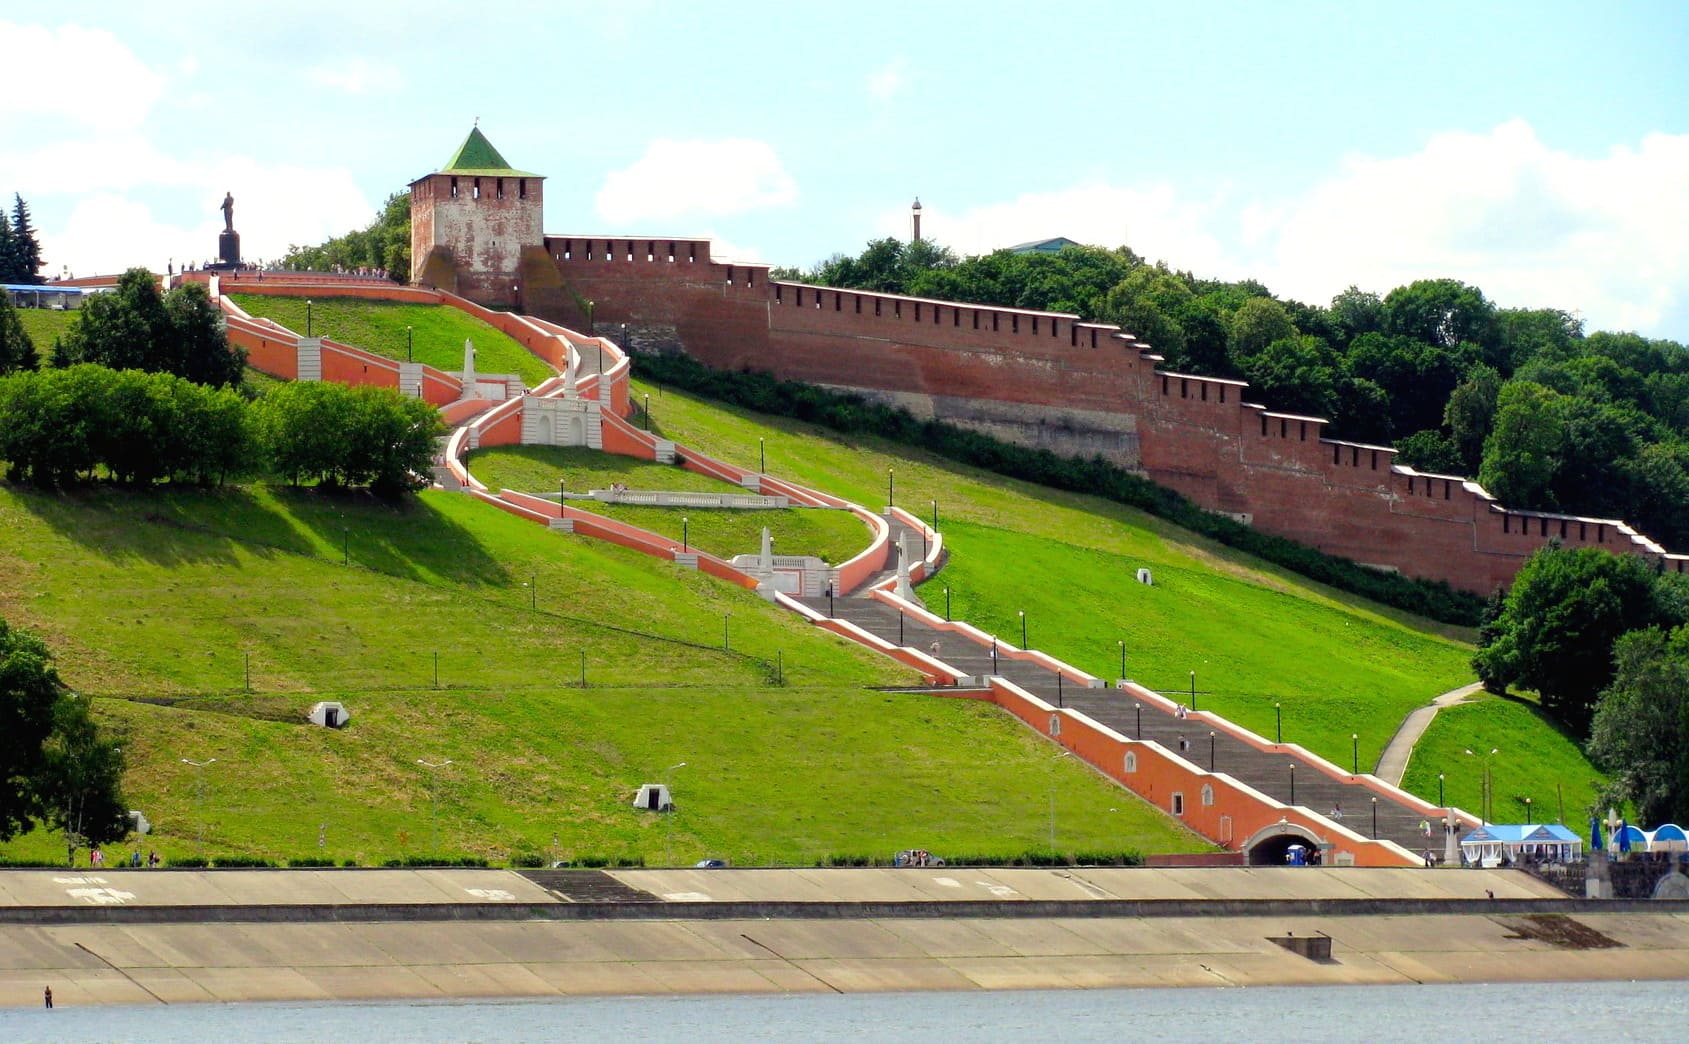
<point>357,76</point>
<point>888,80</point>
<point>85,77</point>
<point>1532,226</point>
<point>696,178</point>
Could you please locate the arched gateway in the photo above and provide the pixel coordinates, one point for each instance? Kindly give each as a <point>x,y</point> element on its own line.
<point>1270,846</point>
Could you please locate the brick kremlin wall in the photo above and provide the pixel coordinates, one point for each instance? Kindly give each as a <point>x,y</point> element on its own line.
<point>1050,380</point>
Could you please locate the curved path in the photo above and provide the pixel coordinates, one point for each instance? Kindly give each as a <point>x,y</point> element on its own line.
<point>1393,762</point>
<point>1269,779</point>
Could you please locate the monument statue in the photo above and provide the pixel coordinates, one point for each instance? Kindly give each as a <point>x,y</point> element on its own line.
<point>228,209</point>
<point>228,241</point>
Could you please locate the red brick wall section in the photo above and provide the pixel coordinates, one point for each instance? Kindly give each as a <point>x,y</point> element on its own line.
<point>1197,435</point>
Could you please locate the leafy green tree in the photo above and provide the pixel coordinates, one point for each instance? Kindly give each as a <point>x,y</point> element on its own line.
<point>1523,452</point>
<point>1297,373</point>
<point>1640,732</point>
<point>1443,312</point>
<point>79,788</point>
<point>1470,415</point>
<point>136,327</point>
<point>1355,312</point>
<point>1417,377</point>
<point>1557,627</point>
<point>1524,334</point>
<point>29,690</point>
<point>1430,450</point>
<point>385,243</point>
<point>1257,323</point>
<point>17,351</point>
<point>24,249</point>
<point>364,436</point>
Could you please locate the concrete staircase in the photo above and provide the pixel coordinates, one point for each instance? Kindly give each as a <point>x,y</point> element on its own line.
<point>1274,773</point>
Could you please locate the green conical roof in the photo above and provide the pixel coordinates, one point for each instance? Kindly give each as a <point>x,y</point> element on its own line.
<point>477,156</point>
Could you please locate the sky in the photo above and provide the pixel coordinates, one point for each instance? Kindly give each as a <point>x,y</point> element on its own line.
<point>1539,151</point>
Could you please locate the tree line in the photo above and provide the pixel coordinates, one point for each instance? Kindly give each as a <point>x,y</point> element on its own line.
<point>385,243</point>
<point>20,251</point>
<point>1545,416</point>
<point>1604,640</point>
<point>68,426</point>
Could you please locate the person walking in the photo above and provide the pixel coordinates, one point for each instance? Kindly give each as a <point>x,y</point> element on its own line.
<point>47,996</point>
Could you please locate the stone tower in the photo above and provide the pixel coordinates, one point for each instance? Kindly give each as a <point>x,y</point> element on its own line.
<point>471,222</point>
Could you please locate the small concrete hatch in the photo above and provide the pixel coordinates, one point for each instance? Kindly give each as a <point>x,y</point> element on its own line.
<point>329,714</point>
<point>1313,947</point>
<point>653,797</point>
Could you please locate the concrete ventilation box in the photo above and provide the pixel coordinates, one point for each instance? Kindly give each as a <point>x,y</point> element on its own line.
<point>653,797</point>
<point>329,714</point>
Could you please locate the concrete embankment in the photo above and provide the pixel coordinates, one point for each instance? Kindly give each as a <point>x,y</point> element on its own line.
<point>160,936</point>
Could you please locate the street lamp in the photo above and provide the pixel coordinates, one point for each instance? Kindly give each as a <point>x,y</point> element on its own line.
<point>947,605</point>
<point>891,486</point>
<point>1486,800</point>
<point>900,627</point>
<point>668,834</point>
<point>685,534</point>
<point>1122,644</point>
<point>1528,818</point>
<point>1058,757</point>
<point>307,317</point>
<point>993,654</point>
<point>1139,708</point>
<point>1441,803</point>
<point>1355,753</point>
<point>647,411</point>
<point>1278,723</point>
<point>830,598</point>
<point>1193,690</point>
<point>1293,782</point>
<point>1211,750</point>
<point>1022,613</point>
<point>408,344</point>
<point>434,794</point>
<point>199,792</point>
<point>762,457</point>
<point>1375,819</point>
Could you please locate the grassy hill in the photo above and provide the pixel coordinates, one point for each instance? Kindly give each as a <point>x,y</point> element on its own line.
<point>437,333</point>
<point>1254,634</point>
<point>44,326</point>
<point>157,603</point>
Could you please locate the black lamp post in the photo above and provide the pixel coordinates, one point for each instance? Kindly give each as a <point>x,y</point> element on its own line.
<point>1122,644</point>
<point>1211,750</point>
<point>1441,803</point>
<point>829,598</point>
<point>900,627</point>
<point>947,605</point>
<point>1355,753</point>
<point>1375,819</point>
<point>1293,782</point>
<point>1060,702</point>
<point>993,654</point>
<point>408,345</point>
<point>647,411</point>
<point>1278,723</point>
<point>1022,613</point>
<point>1139,707</point>
<point>762,457</point>
<point>685,534</point>
<point>1193,690</point>
<point>307,317</point>
<point>891,486</point>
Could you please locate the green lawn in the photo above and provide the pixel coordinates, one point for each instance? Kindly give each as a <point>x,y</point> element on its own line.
<point>1254,634</point>
<point>437,333</point>
<point>834,535</point>
<point>154,601</point>
<point>1533,759</point>
<point>43,325</point>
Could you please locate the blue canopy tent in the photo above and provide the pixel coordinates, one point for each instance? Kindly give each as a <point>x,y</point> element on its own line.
<point>1668,837</point>
<point>1627,837</point>
<point>1490,845</point>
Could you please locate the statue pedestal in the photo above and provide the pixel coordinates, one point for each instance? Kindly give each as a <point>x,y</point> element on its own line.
<point>228,249</point>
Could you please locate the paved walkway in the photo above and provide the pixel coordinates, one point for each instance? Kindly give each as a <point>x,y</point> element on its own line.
<point>1392,764</point>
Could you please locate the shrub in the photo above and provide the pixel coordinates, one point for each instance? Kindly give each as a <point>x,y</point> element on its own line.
<point>189,861</point>
<point>309,862</point>
<point>527,859</point>
<point>241,861</point>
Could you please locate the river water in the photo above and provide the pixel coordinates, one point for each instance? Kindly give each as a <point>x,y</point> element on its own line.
<point>1536,1012</point>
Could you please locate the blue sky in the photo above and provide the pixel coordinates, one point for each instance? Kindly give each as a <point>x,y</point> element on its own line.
<point>1540,151</point>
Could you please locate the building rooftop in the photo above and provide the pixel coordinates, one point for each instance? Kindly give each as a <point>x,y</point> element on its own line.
<point>476,156</point>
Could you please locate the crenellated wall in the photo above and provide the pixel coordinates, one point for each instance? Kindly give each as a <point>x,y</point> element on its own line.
<point>1052,381</point>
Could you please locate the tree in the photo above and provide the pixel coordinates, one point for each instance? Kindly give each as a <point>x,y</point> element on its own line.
<point>1296,373</point>
<point>137,328</point>
<point>1640,732</point>
<point>345,436</point>
<point>17,351</point>
<point>24,263</point>
<point>1470,414</point>
<point>1354,312</point>
<point>384,243</point>
<point>29,689</point>
<point>1524,334</point>
<point>1558,624</point>
<point>1522,453</point>
<point>1442,312</point>
<point>80,784</point>
<point>1429,450</point>
<point>1257,323</point>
